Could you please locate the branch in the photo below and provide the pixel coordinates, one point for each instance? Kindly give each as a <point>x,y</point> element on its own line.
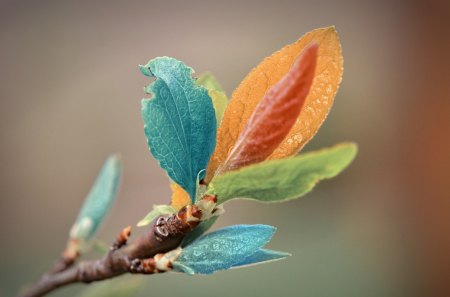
<point>165,234</point>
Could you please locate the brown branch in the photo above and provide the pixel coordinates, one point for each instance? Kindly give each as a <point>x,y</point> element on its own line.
<point>165,234</point>
<point>68,257</point>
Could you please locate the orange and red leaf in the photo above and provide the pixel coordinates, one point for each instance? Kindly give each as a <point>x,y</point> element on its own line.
<point>270,71</point>
<point>274,115</point>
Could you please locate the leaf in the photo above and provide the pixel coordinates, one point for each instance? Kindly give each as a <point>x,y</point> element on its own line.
<point>246,97</point>
<point>220,102</point>
<point>179,121</point>
<point>118,287</point>
<point>180,197</point>
<point>262,256</point>
<point>99,200</point>
<point>201,188</point>
<point>274,115</point>
<point>217,94</point>
<point>157,211</point>
<point>285,179</point>
<point>222,249</point>
<point>198,231</point>
<point>210,82</point>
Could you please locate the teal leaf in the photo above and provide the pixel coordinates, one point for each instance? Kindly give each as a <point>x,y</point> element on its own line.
<point>179,121</point>
<point>198,231</point>
<point>284,179</point>
<point>262,256</point>
<point>99,201</point>
<point>222,249</point>
<point>157,211</point>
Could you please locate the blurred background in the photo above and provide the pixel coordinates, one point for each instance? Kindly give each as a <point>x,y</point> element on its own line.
<point>70,95</point>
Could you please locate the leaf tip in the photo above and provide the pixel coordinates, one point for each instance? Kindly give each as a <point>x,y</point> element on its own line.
<point>145,69</point>
<point>331,28</point>
<point>266,229</point>
<point>115,160</point>
<point>142,223</point>
<point>351,148</point>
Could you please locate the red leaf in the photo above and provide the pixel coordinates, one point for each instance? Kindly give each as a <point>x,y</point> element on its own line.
<point>275,114</point>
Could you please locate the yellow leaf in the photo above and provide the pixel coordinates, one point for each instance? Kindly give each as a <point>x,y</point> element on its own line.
<point>180,197</point>
<point>328,76</point>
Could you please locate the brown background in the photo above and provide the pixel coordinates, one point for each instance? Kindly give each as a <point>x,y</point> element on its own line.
<point>70,95</point>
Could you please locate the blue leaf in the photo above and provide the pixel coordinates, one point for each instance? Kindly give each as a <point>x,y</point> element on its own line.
<point>198,231</point>
<point>262,256</point>
<point>223,249</point>
<point>99,200</point>
<point>179,121</point>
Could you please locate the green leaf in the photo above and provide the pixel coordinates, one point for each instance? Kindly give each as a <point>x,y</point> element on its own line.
<point>284,179</point>
<point>222,249</point>
<point>157,211</point>
<point>217,94</point>
<point>99,201</point>
<point>179,121</point>
<point>208,81</point>
<point>119,287</point>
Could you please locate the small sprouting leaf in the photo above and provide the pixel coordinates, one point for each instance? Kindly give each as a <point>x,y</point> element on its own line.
<point>244,99</point>
<point>157,211</point>
<point>217,94</point>
<point>118,287</point>
<point>262,256</point>
<point>99,201</point>
<point>179,121</point>
<point>180,197</point>
<point>222,249</point>
<point>274,115</point>
<point>220,102</point>
<point>285,179</point>
<point>210,82</point>
<point>198,231</point>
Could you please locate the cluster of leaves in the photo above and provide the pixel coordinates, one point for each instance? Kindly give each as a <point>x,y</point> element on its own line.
<point>245,147</point>
<point>275,111</point>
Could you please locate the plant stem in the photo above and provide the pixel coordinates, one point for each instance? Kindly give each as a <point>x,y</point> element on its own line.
<point>165,234</point>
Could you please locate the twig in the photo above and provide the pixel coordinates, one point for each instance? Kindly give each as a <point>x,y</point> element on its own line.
<point>68,257</point>
<point>165,234</point>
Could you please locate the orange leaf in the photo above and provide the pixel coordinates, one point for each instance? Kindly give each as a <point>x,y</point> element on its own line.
<point>246,97</point>
<point>180,197</point>
<point>274,115</point>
